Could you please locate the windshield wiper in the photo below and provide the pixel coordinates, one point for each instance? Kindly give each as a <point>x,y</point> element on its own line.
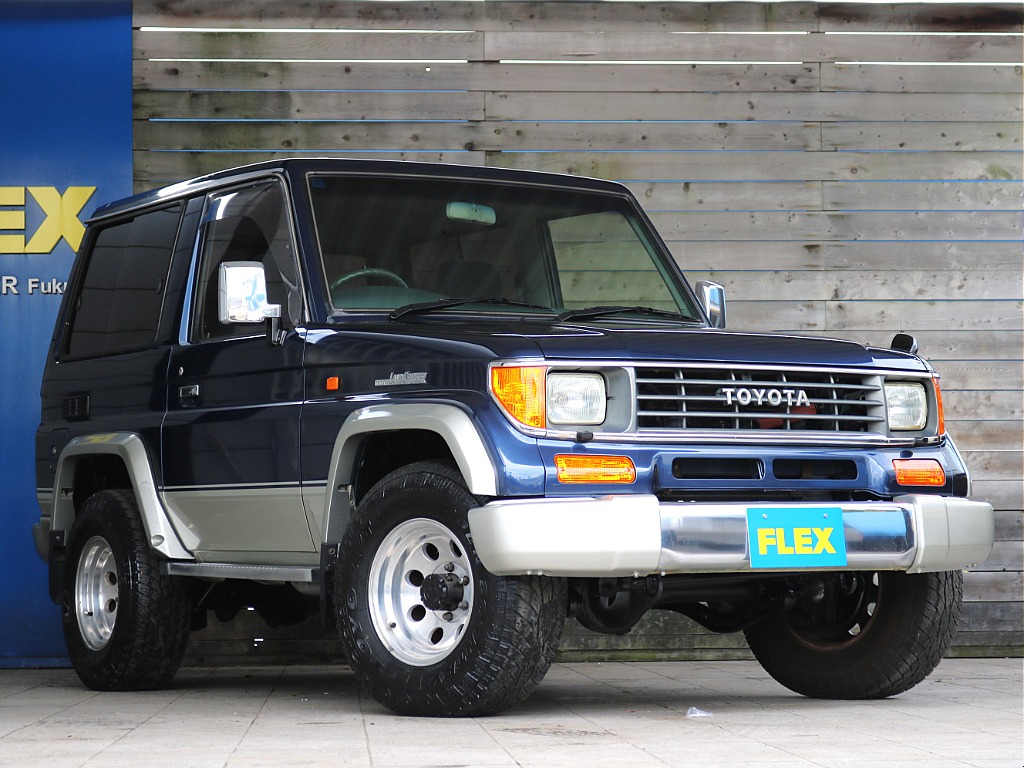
<point>590,312</point>
<point>430,306</point>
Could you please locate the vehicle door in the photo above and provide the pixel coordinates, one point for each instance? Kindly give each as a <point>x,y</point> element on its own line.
<point>231,434</point>
<point>110,360</point>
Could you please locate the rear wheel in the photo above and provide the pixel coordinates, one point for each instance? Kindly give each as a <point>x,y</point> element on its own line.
<point>428,630</point>
<point>865,636</point>
<point>125,624</point>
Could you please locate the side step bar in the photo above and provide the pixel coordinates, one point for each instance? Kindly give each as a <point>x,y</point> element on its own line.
<point>282,573</point>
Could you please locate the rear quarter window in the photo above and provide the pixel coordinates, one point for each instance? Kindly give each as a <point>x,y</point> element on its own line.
<point>117,307</point>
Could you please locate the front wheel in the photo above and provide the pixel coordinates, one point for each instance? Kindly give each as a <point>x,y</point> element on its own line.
<point>429,631</point>
<point>865,636</point>
<point>126,625</point>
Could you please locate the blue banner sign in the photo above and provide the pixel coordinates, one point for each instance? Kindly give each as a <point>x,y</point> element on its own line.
<point>65,147</point>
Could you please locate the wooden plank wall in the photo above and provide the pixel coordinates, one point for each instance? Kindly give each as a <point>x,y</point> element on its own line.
<point>844,169</point>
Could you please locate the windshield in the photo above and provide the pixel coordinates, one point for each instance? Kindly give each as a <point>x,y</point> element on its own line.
<point>386,243</point>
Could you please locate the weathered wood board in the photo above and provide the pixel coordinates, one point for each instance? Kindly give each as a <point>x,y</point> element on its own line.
<point>475,76</point>
<point>429,132</point>
<point>614,45</point>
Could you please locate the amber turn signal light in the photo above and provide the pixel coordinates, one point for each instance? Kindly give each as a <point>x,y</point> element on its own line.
<point>919,472</point>
<point>585,468</point>
<point>520,390</point>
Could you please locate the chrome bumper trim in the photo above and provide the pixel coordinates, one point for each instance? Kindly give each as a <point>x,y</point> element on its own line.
<point>638,535</point>
<point>741,437</point>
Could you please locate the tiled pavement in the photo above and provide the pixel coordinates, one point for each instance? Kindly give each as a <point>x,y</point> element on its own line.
<point>692,714</point>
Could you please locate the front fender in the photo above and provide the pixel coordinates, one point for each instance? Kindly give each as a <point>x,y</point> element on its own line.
<point>451,423</point>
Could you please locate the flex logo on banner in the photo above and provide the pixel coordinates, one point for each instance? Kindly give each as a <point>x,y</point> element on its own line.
<point>61,212</point>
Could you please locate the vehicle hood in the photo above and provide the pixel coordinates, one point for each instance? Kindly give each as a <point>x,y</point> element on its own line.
<point>697,345</point>
<point>640,342</point>
<point>575,342</point>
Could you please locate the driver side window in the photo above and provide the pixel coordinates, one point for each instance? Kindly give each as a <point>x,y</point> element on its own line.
<point>249,224</point>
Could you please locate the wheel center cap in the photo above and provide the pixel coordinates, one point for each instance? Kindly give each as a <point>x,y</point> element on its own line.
<point>441,592</point>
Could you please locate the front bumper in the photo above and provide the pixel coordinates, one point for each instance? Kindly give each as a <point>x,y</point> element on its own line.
<point>637,535</point>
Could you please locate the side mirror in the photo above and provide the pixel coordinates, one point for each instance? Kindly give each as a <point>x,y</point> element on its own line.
<point>242,297</point>
<point>904,342</point>
<point>242,292</point>
<point>712,298</point>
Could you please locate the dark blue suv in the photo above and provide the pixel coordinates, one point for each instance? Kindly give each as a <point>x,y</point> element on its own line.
<point>449,407</point>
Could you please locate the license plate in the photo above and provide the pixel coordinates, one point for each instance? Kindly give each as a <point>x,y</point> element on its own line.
<point>796,537</point>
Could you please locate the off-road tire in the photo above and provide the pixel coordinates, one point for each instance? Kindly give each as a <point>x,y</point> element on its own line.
<point>126,625</point>
<point>881,647</point>
<point>490,653</point>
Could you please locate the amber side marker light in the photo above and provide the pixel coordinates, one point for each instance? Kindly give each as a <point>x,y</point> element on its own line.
<point>919,472</point>
<point>577,468</point>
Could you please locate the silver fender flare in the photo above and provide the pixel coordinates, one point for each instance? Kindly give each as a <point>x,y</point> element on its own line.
<point>129,447</point>
<point>451,423</point>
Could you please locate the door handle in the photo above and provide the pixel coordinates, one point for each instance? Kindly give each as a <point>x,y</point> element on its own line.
<point>189,392</point>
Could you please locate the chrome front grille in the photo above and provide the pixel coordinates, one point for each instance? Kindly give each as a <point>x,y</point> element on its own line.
<point>709,398</point>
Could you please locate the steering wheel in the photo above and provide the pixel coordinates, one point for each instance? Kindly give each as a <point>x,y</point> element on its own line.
<point>370,272</point>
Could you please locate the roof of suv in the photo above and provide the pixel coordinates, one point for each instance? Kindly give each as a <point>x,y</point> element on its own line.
<point>300,166</point>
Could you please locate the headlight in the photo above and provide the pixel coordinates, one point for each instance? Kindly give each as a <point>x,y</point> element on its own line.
<point>575,398</point>
<point>907,403</point>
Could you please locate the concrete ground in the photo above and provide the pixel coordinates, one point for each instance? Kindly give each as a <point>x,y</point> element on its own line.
<point>693,714</point>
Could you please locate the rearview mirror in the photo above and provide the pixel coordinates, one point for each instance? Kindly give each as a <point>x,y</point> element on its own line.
<point>472,212</point>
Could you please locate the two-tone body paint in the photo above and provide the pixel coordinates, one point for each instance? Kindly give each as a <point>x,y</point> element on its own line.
<point>449,368</point>
<point>241,434</point>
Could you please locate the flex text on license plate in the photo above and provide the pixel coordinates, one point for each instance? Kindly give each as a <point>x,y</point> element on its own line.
<point>796,537</point>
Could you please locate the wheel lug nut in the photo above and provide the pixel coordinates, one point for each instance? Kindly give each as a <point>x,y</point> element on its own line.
<point>463,606</point>
<point>449,567</point>
<point>465,581</point>
<point>447,616</point>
